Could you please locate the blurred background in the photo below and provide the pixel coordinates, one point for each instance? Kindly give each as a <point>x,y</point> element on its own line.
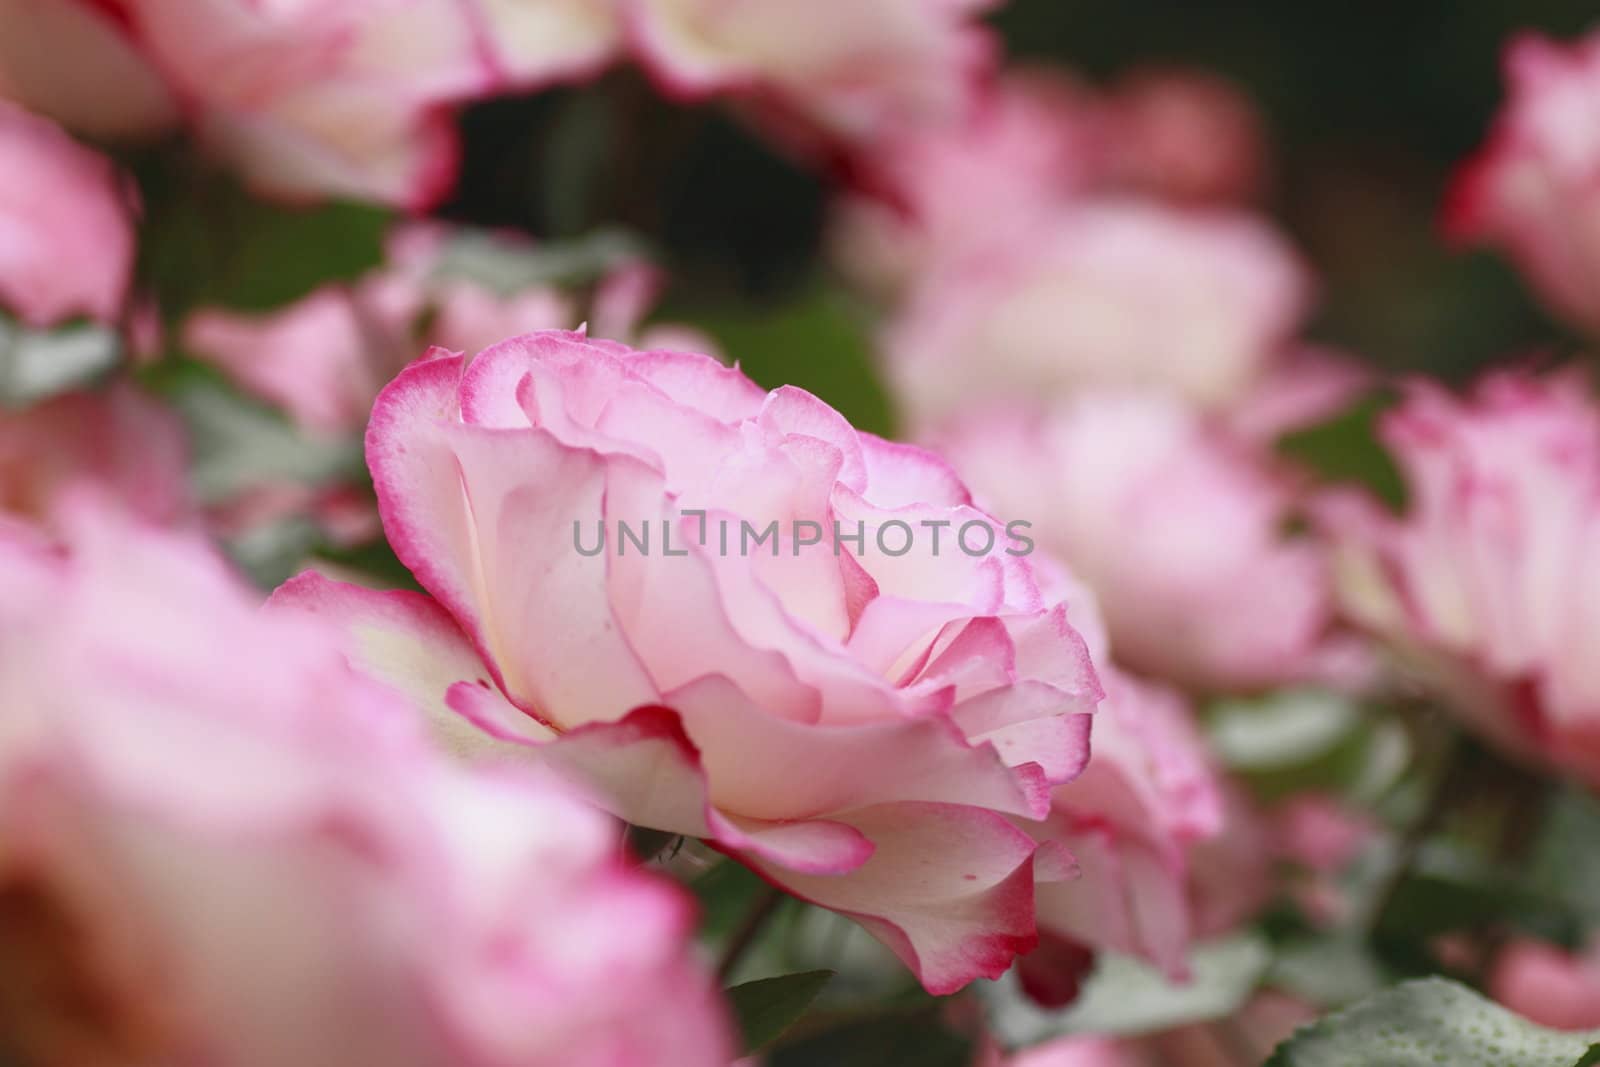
<point>1366,110</point>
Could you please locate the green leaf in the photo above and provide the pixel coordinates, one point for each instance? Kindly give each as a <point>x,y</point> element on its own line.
<point>1590,1058</point>
<point>1425,1023</point>
<point>1128,996</point>
<point>207,241</point>
<point>725,893</point>
<point>1346,448</point>
<point>767,1007</point>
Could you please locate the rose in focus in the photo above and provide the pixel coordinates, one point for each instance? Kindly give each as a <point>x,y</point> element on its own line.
<point>860,728</point>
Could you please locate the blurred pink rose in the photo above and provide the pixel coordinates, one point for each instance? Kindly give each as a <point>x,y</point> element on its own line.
<point>1534,188</point>
<point>1186,136</point>
<point>123,443</point>
<point>324,358</point>
<point>1130,819</point>
<point>1029,145</point>
<point>858,723</point>
<point>1485,588</point>
<point>306,100</point>
<point>1548,985</point>
<point>846,69</point>
<point>66,240</point>
<point>1178,529</point>
<point>75,61</point>
<point>223,847</point>
<point>1320,835</point>
<point>1108,293</point>
<point>1035,142</point>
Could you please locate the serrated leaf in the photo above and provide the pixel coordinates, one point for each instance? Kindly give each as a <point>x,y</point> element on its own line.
<point>767,1007</point>
<point>1425,1023</point>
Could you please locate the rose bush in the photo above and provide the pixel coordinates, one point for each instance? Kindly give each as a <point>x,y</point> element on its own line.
<point>220,846</point>
<point>859,726</point>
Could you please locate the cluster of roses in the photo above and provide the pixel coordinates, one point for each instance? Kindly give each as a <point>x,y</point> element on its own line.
<point>360,826</point>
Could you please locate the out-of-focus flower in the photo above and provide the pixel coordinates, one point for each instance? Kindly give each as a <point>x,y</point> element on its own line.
<point>1035,142</point>
<point>848,69</point>
<point>324,358</point>
<point>1548,985</point>
<point>851,711</point>
<point>1534,188</point>
<point>306,100</point>
<point>1186,136</point>
<point>1032,143</point>
<point>121,442</point>
<point>75,61</point>
<point>1486,587</point>
<point>66,241</point>
<point>1130,820</point>
<point>1109,293</point>
<point>1320,836</point>
<point>218,845</point>
<point>1178,529</point>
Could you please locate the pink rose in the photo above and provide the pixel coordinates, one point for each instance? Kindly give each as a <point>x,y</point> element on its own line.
<point>1197,304</point>
<point>74,61</point>
<point>1028,146</point>
<point>1484,587</point>
<point>305,100</point>
<point>1178,529</point>
<point>857,719</point>
<point>324,358</point>
<point>66,241</point>
<point>124,444</point>
<point>1187,136</point>
<point>848,70</point>
<point>1534,188</point>
<point>223,847</point>
<point>1547,985</point>
<point>1130,820</point>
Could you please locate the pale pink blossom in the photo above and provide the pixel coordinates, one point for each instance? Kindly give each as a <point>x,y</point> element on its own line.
<point>75,61</point>
<point>1130,820</point>
<point>223,847</point>
<point>1533,190</point>
<point>1485,588</point>
<point>1029,145</point>
<point>859,725</point>
<point>1186,136</point>
<point>124,444</point>
<point>324,358</point>
<point>306,100</point>
<point>1034,143</point>
<point>1547,984</point>
<point>1123,293</point>
<point>1178,529</point>
<point>66,238</point>
<point>843,69</point>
